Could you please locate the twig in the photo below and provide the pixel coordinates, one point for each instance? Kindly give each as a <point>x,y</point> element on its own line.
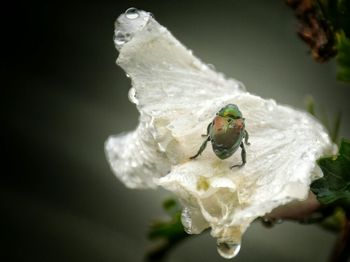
<point>341,251</point>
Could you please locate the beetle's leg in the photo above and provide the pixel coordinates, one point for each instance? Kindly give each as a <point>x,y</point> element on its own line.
<point>208,130</point>
<point>243,155</point>
<point>201,149</point>
<point>246,137</point>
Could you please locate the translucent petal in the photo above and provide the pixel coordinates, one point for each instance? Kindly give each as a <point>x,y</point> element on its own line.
<point>177,96</point>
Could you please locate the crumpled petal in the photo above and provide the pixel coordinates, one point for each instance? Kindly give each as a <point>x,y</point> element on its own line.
<point>178,96</point>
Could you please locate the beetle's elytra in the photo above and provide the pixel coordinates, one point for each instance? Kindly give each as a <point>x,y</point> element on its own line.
<point>226,133</point>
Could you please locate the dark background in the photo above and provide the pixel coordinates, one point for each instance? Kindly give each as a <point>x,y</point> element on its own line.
<point>64,96</point>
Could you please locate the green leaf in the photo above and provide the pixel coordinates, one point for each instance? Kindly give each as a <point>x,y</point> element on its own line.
<point>334,132</point>
<point>310,105</point>
<point>334,186</point>
<point>343,57</point>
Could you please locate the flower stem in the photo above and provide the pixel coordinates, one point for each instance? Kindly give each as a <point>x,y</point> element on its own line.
<point>341,251</point>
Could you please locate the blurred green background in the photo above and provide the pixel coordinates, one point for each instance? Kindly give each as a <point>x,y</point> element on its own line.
<point>65,96</point>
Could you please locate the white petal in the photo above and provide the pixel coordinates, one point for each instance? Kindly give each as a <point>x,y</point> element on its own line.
<point>177,96</point>
<point>135,158</point>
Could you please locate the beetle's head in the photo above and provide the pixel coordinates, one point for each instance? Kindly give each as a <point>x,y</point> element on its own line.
<point>230,110</point>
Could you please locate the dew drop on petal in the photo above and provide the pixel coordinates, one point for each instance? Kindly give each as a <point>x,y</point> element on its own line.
<point>270,104</point>
<point>120,39</point>
<point>308,156</point>
<point>132,95</point>
<point>127,24</point>
<point>186,220</point>
<point>132,13</point>
<point>279,136</point>
<point>211,66</point>
<point>228,249</point>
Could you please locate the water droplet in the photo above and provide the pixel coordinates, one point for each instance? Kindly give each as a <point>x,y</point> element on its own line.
<point>120,39</point>
<point>133,164</point>
<point>132,95</point>
<point>270,222</point>
<point>271,156</point>
<point>198,64</point>
<point>132,13</point>
<point>279,221</point>
<point>228,249</point>
<point>270,104</point>
<point>279,136</point>
<point>299,131</point>
<point>211,66</point>
<point>267,222</point>
<point>307,156</point>
<point>205,115</point>
<point>317,142</point>
<point>186,220</point>
<point>262,123</point>
<point>161,147</point>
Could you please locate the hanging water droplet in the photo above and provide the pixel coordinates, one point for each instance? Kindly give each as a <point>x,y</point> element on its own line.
<point>186,220</point>
<point>228,249</point>
<point>132,13</point>
<point>270,222</point>
<point>267,222</point>
<point>279,221</point>
<point>132,95</point>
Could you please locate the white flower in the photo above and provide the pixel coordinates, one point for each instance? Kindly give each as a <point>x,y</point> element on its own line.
<point>177,96</point>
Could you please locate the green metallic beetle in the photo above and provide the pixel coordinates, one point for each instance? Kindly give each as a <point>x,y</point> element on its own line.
<point>226,133</point>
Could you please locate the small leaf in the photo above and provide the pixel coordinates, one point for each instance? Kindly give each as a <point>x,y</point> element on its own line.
<point>343,57</point>
<point>336,127</point>
<point>335,184</point>
<point>310,105</point>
